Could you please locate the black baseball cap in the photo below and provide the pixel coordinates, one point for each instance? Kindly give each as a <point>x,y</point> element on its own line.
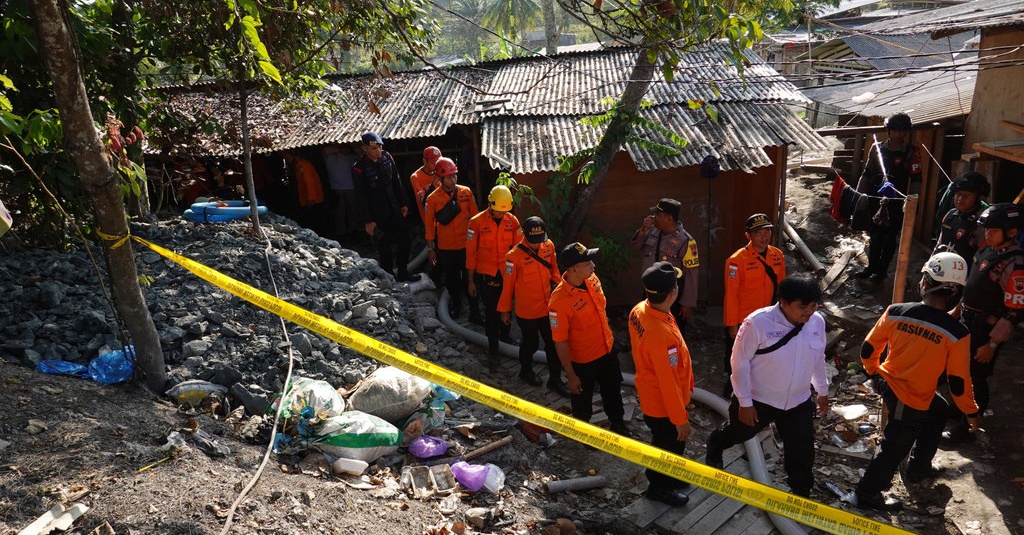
<point>669,206</point>
<point>534,230</point>
<point>576,252</point>
<point>660,277</point>
<point>758,221</point>
<point>372,137</point>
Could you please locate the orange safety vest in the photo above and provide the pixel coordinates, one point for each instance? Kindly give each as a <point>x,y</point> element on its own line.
<point>487,242</point>
<point>528,280</point>
<point>664,373</point>
<point>578,316</point>
<point>450,237</point>
<point>747,285</point>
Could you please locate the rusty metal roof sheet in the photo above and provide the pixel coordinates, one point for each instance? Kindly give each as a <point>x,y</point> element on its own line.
<point>526,144</point>
<point>953,19</point>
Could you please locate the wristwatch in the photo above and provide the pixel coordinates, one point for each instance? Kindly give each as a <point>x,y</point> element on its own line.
<point>993,345</point>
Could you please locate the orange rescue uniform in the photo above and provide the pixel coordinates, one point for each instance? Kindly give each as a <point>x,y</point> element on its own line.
<point>578,315</point>
<point>529,281</point>
<point>664,374</point>
<point>308,181</point>
<point>423,184</point>
<point>747,285</point>
<point>487,243</point>
<point>923,343</point>
<point>450,237</point>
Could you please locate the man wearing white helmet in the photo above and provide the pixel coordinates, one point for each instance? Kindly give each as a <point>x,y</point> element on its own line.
<point>924,343</point>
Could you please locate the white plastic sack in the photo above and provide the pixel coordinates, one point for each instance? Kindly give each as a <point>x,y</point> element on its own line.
<point>357,435</point>
<point>320,395</point>
<point>390,394</point>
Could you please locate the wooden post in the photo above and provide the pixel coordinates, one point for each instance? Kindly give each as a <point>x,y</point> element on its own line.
<point>899,282</point>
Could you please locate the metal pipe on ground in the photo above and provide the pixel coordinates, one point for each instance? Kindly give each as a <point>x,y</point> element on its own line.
<point>755,454</point>
<point>819,269</point>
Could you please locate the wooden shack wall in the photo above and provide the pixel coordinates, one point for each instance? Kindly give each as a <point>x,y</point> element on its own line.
<point>714,211</point>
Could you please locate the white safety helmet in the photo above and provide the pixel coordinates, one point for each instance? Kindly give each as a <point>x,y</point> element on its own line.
<point>947,269</point>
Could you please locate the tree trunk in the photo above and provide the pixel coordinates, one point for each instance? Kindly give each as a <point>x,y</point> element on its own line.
<point>550,28</point>
<point>639,81</point>
<point>99,179</point>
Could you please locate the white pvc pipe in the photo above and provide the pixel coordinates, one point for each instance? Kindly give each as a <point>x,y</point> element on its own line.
<point>755,455</point>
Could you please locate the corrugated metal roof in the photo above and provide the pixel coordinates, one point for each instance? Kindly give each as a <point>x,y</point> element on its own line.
<point>943,92</point>
<point>949,20</point>
<point>534,143</point>
<point>580,84</point>
<point>411,105</point>
<point>890,52</point>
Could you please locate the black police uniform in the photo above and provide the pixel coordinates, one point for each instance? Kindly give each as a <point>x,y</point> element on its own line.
<point>960,233</point>
<point>903,168</point>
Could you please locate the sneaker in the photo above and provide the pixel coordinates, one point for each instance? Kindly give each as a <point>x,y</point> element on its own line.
<point>530,378</point>
<point>559,388</point>
<point>621,429</point>
<point>862,273</point>
<point>958,435</point>
<point>673,497</point>
<point>877,502</point>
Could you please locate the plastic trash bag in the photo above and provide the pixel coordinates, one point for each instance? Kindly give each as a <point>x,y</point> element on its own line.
<point>426,446</point>
<point>194,391</point>
<point>356,435</point>
<point>114,367</point>
<point>62,367</point>
<point>305,392</point>
<point>390,393</point>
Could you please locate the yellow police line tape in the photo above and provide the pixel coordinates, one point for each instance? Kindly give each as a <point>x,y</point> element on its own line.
<point>823,517</point>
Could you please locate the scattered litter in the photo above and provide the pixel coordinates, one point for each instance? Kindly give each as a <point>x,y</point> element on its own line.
<point>109,368</point>
<point>577,484</point>
<point>352,467</point>
<point>426,481</point>
<point>194,391</point>
<point>35,427</point>
<point>850,412</point>
<point>56,518</point>
<point>426,446</point>
<point>390,393</point>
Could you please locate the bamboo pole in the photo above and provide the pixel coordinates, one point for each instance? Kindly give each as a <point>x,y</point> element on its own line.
<point>899,283</point>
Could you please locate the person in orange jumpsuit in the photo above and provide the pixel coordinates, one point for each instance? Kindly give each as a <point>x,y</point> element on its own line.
<point>752,276</point>
<point>664,375</point>
<point>425,179</point>
<point>923,343</point>
<point>491,234</point>
<point>583,340</point>
<point>446,220</point>
<point>531,271</point>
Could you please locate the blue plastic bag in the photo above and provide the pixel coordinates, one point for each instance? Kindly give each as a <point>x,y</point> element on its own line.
<point>62,367</point>
<point>114,367</point>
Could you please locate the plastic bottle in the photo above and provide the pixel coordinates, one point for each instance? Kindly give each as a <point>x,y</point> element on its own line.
<point>351,467</point>
<point>495,479</point>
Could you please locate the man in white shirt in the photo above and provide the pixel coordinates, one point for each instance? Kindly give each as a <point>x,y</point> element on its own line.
<point>779,353</point>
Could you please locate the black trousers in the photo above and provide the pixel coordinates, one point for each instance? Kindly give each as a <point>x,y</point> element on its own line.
<point>393,233</point>
<point>452,264</point>
<point>488,288</point>
<point>907,431</point>
<point>796,426</point>
<point>881,248</point>
<point>606,374</point>
<point>980,371</point>
<point>663,435</point>
<point>535,330</point>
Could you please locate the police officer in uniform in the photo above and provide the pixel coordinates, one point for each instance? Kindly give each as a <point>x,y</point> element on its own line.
<point>897,161</point>
<point>662,238</point>
<point>993,301</point>
<point>752,276</point>
<point>959,231</point>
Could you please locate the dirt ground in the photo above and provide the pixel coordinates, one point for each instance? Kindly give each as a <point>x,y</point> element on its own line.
<point>68,441</point>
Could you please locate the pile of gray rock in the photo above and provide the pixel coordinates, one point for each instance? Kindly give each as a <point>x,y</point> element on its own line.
<point>53,307</point>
